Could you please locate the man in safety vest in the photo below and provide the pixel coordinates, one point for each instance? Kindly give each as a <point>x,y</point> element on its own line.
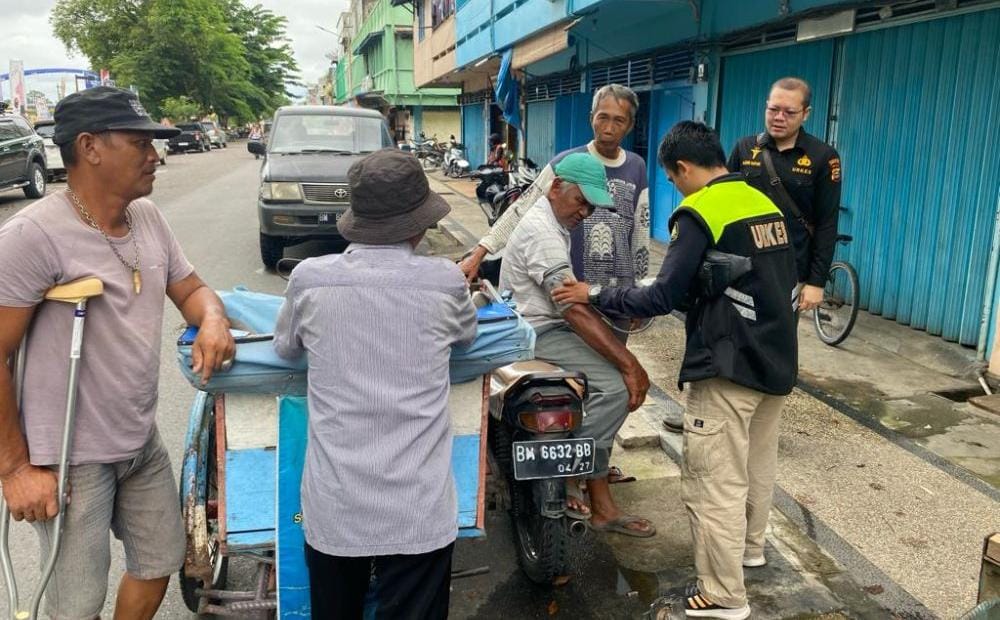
<point>731,266</point>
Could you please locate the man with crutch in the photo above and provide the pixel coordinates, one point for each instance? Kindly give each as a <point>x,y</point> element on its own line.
<point>119,475</point>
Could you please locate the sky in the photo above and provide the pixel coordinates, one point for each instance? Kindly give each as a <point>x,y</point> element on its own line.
<point>25,34</point>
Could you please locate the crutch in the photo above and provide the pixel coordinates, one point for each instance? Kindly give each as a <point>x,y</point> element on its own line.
<point>77,292</point>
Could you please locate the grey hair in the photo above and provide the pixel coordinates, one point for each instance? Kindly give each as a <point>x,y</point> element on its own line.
<point>619,92</point>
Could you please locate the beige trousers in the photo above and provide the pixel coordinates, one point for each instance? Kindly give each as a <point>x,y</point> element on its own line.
<point>730,457</point>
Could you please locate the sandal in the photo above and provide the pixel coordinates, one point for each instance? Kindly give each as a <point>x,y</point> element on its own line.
<point>621,526</point>
<point>615,475</point>
<point>574,492</point>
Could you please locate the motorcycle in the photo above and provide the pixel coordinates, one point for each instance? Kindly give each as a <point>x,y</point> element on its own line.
<point>498,189</point>
<point>534,409</point>
<point>455,162</point>
<point>428,151</point>
<point>493,181</point>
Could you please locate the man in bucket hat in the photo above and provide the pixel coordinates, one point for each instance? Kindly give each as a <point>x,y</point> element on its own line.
<point>120,475</point>
<point>378,323</point>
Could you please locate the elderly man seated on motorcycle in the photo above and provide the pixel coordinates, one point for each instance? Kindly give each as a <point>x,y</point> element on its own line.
<point>574,336</point>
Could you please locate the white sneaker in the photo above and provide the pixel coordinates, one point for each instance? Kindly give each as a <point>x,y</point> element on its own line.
<point>754,561</point>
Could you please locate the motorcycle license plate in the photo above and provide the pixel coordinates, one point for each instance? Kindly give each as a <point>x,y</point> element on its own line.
<point>553,458</point>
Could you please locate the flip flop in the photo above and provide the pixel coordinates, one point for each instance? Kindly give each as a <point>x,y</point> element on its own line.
<point>620,526</point>
<point>616,476</point>
<point>573,491</point>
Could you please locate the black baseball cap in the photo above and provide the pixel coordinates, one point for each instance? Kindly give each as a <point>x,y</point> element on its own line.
<point>104,108</point>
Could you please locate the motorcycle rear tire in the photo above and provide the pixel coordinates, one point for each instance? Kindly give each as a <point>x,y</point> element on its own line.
<point>542,542</point>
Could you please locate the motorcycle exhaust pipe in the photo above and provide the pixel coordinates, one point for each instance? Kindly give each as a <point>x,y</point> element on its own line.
<point>577,528</point>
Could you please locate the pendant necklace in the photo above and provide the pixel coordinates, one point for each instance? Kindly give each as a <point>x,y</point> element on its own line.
<point>134,267</point>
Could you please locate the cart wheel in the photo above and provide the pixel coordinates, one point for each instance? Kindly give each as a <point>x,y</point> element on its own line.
<point>220,563</point>
<point>220,573</point>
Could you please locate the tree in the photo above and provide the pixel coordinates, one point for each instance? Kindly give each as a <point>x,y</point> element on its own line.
<point>226,57</point>
<point>32,96</point>
<point>180,109</point>
<point>272,65</point>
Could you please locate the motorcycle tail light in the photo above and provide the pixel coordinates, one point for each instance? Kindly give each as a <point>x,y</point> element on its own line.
<point>560,400</point>
<point>550,421</point>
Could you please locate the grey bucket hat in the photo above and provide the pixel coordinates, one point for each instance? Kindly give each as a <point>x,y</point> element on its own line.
<point>391,200</point>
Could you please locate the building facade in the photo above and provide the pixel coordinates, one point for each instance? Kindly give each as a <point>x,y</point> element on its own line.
<point>905,91</point>
<point>376,70</point>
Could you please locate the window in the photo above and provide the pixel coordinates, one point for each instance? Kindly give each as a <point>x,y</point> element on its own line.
<point>441,10</point>
<point>24,130</point>
<point>318,133</point>
<point>8,131</point>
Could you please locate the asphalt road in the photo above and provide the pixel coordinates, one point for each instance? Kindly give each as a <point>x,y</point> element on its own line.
<point>210,201</point>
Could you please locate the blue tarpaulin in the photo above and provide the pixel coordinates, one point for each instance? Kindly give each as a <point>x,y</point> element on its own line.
<point>507,91</point>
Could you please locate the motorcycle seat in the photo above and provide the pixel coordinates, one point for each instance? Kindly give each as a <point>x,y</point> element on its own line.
<point>512,372</point>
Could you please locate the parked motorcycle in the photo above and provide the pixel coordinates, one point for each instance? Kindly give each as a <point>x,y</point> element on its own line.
<point>534,409</point>
<point>428,151</point>
<point>498,189</point>
<point>492,181</point>
<point>455,162</point>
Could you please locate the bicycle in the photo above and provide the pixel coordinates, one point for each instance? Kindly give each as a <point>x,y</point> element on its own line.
<point>836,314</point>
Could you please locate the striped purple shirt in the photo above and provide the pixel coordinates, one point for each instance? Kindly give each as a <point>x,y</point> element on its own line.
<point>378,324</point>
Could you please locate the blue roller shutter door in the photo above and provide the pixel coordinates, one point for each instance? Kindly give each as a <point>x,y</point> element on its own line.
<point>474,133</point>
<point>919,119</point>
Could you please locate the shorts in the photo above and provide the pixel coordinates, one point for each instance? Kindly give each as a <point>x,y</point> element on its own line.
<point>136,499</point>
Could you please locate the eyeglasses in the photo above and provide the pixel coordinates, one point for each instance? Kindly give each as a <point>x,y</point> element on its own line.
<point>773,110</point>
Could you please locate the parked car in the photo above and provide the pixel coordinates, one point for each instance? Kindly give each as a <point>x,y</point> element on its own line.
<point>22,157</point>
<point>216,135</point>
<point>53,157</point>
<point>303,182</point>
<point>160,144</point>
<point>191,138</point>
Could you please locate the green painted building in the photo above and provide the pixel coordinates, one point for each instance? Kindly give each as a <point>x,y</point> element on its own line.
<point>376,71</point>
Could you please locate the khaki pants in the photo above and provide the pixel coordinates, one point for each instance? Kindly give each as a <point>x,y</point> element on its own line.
<point>730,457</point>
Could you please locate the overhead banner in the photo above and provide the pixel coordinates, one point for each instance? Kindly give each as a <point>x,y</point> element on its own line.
<point>17,103</point>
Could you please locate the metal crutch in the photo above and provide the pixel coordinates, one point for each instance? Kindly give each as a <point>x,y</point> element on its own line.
<point>78,293</point>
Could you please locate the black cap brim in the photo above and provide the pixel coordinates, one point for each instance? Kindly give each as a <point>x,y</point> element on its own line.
<point>159,131</point>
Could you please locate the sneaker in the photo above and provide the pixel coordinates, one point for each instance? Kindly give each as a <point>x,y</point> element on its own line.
<point>697,605</point>
<point>754,561</point>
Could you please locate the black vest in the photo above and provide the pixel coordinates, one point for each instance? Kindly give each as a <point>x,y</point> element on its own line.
<point>747,334</point>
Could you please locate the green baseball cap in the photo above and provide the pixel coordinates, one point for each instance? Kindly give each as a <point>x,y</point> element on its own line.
<point>585,171</point>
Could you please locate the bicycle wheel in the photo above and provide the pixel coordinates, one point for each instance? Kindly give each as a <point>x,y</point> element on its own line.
<point>835,316</point>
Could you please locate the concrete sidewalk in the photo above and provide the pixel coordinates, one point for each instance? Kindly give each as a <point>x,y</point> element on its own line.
<point>887,478</point>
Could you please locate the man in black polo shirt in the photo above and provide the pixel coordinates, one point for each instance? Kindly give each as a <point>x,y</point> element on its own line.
<point>810,175</point>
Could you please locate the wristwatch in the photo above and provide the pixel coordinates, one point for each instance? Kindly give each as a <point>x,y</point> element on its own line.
<point>594,294</point>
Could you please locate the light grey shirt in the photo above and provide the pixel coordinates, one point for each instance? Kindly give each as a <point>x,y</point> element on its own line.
<point>46,244</point>
<point>378,324</point>
<point>536,261</point>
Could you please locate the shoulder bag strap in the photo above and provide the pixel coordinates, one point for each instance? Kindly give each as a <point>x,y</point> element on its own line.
<point>784,200</point>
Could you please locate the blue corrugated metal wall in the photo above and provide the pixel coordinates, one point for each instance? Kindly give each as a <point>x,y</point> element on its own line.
<point>747,79</point>
<point>541,131</point>
<point>666,108</point>
<point>573,121</point>
<point>919,121</point>
<point>474,133</point>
